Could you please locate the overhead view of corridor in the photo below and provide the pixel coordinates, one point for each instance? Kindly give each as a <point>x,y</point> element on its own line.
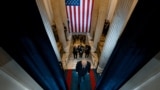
<point>80,45</point>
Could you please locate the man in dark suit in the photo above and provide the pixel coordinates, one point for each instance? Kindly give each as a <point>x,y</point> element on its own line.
<point>80,50</point>
<point>75,51</point>
<point>82,68</point>
<point>106,27</point>
<point>87,51</point>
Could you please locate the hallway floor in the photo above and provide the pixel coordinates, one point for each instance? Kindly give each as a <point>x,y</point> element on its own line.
<point>71,76</point>
<point>72,62</point>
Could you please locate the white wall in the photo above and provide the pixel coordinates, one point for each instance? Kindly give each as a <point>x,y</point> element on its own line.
<point>148,78</point>
<point>12,76</point>
<point>8,83</point>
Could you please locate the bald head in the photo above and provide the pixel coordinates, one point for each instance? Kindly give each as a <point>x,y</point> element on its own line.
<point>84,62</point>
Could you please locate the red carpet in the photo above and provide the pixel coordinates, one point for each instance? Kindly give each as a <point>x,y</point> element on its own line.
<point>92,79</point>
<point>69,77</point>
<point>72,82</point>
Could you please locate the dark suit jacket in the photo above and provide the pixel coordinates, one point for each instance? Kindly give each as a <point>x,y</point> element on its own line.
<point>80,70</point>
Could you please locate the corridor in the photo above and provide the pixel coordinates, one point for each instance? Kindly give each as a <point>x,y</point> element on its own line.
<point>89,82</point>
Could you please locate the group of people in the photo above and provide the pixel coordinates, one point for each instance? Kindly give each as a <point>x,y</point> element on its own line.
<point>82,38</point>
<point>80,49</point>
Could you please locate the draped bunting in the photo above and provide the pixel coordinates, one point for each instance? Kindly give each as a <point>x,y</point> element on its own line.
<point>28,44</point>
<point>137,45</point>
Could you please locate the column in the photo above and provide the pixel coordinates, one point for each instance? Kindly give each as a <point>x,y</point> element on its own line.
<point>94,17</point>
<point>100,22</point>
<point>48,9</point>
<point>59,23</point>
<point>48,28</point>
<point>120,19</point>
<point>64,16</point>
<point>112,8</point>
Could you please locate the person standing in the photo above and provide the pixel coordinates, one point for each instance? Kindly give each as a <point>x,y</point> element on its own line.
<point>106,27</point>
<point>74,38</point>
<point>87,51</point>
<point>84,39</point>
<point>65,32</point>
<point>75,52</point>
<point>82,68</point>
<point>81,50</point>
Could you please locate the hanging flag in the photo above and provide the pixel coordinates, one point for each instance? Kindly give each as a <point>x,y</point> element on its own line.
<point>79,15</point>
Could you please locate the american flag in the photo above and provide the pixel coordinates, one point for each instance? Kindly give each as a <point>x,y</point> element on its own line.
<point>79,15</point>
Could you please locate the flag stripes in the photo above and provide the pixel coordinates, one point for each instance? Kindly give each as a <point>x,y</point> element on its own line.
<point>79,15</point>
